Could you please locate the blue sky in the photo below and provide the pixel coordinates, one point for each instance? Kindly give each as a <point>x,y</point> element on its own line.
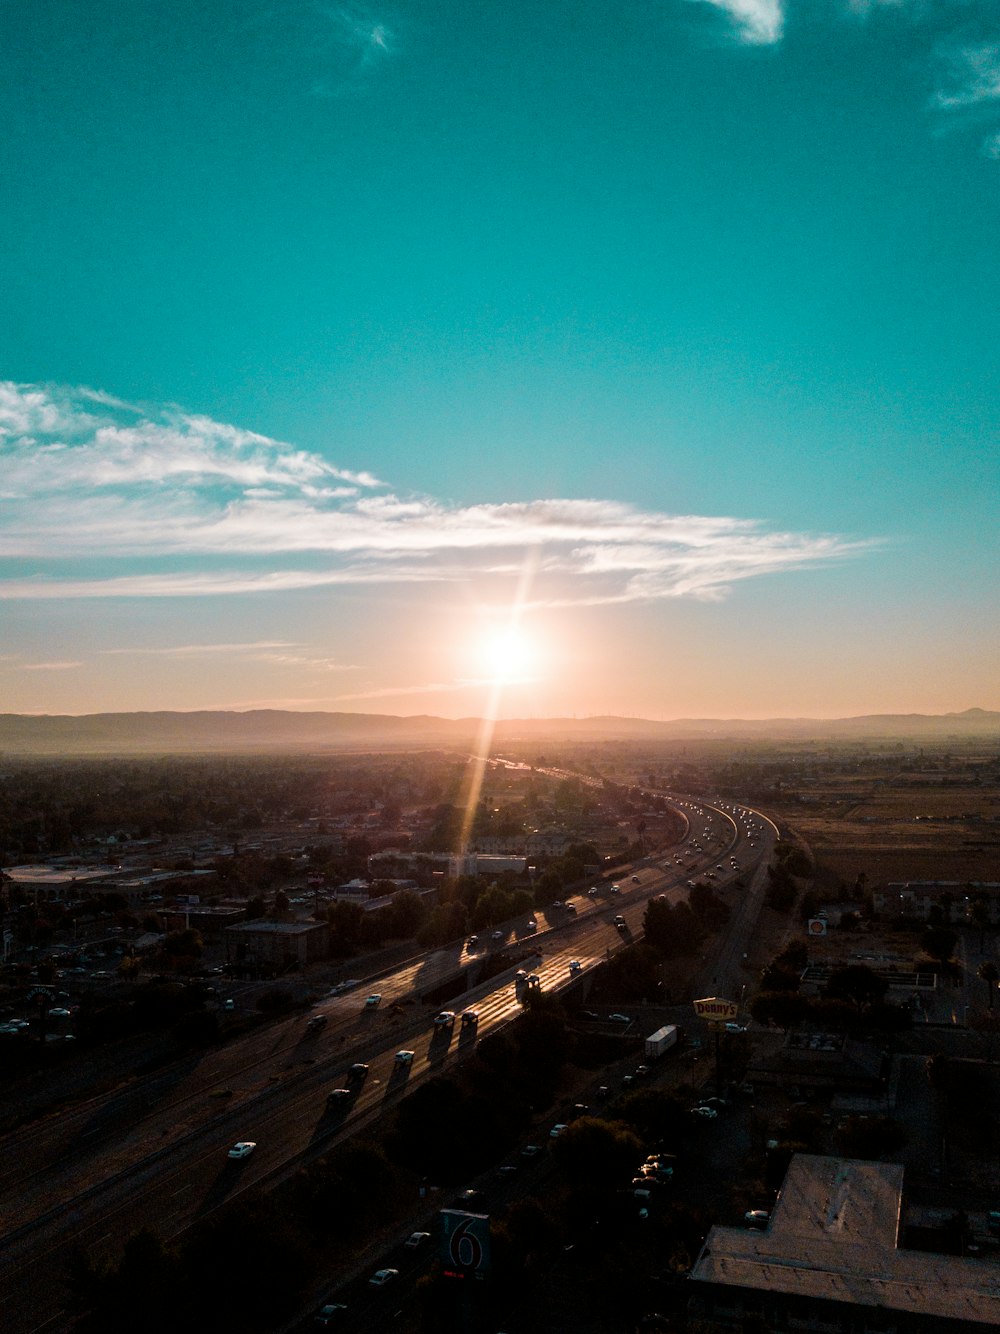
<point>659,337</point>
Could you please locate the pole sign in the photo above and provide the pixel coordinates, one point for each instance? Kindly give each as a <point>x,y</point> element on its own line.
<point>466,1244</point>
<point>817,926</point>
<point>717,1009</point>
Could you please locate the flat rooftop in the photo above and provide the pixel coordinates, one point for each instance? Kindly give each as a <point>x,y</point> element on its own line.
<point>833,1234</point>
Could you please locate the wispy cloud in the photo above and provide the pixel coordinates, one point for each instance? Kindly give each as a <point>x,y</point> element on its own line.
<point>171,505</point>
<point>361,39</point>
<point>203,650</point>
<point>969,92</point>
<point>277,652</point>
<point>757,22</point>
<point>49,666</point>
<point>973,77</point>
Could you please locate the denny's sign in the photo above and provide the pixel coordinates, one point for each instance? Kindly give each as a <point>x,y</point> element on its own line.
<point>713,1007</point>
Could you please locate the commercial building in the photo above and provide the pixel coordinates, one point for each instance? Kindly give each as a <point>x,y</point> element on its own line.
<point>830,1260</point>
<point>276,944</point>
<point>953,898</point>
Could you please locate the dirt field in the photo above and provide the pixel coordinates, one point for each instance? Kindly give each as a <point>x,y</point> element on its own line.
<point>898,828</point>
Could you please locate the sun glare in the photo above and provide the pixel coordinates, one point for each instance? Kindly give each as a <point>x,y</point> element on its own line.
<point>508,654</point>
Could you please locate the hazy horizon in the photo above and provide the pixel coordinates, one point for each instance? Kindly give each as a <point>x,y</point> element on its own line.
<point>511,362</point>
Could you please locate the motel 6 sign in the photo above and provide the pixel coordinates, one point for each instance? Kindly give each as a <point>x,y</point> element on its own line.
<point>466,1251</point>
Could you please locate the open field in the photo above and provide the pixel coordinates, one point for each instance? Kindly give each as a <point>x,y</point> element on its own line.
<point>892,827</point>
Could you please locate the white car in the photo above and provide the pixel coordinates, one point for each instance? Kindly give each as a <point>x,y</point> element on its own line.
<point>243,1148</point>
<point>706,1113</point>
<point>404,1057</point>
<point>557,1130</point>
<point>446,1019</point>
<point>416,1239</point>
<point>382,1276</point>
<point>372,1002</point>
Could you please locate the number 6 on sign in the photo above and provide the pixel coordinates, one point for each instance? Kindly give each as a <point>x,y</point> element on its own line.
<point>466,1244</point>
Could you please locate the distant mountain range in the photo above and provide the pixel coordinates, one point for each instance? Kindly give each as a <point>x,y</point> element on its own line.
<point>273,730</point>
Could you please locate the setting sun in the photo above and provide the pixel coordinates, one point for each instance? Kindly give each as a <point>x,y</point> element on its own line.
<point>508,654</point>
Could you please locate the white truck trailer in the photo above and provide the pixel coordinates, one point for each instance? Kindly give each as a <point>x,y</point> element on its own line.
<point>662,1040</point>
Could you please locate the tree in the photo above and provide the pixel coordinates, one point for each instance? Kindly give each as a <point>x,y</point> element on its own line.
<point>778,977</point>
<point>939,942</point>
<point>345,926</point>
<point>406,914</point>
<point>597,1154</point>
<point>869,1137</point>
<point>857,983</point>
<point>989,974</point>
<point>782,1008</point>
<point>448,921</point>
<point>979,913</point>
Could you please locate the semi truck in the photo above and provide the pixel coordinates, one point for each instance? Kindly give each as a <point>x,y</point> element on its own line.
<point>662,1040</point>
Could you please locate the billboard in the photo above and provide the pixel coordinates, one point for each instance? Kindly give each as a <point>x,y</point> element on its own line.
<point>714,1007</point>
<point>465,1244</point>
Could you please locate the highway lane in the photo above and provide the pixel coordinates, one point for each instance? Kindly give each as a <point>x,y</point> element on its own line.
<point>174,1171</point>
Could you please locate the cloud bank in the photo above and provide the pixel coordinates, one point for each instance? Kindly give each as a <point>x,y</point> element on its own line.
<point>102,499</point>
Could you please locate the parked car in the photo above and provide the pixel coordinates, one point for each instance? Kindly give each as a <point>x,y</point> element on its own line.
<point>243,1148</point>
<point>446,1019</point>
<point>316,1021</point>
<point>358,1073</point>
<point>372,1002</point>
<point>404,1057</point>
<point>470,1018</point>
<point>337,1097</point>
<point>706,1113</point>
<point>619,1019</point>
<point>471,1199</point>
<point>383,1276</point>
<point>575,965</point>
<point>332,1311</point>
<point>757,1218</point>
<point>557,1130</point>
<point>416,1239</point>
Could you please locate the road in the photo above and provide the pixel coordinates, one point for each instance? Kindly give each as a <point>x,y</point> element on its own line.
<point>154,1152</point>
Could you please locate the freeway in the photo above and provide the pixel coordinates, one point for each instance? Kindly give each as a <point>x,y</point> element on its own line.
<point>154,1153</point>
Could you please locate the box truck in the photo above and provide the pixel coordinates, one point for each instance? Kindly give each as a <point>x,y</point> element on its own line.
<point>662,1040</point>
